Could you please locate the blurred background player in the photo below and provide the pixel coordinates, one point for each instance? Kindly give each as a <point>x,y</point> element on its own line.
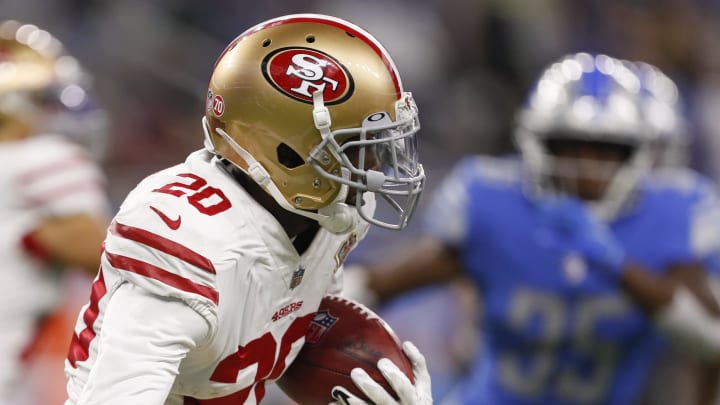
<point>53,209</point>
<point>571,309</point>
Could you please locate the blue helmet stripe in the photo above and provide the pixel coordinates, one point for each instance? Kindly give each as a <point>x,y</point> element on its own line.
<point>596,85</point>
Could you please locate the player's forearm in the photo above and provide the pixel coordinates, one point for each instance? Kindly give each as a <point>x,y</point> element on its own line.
<point>650,292</point>
<point>426,263</point>
<point>677,311</point>
<point>655,293</point>
<point>74,241</point>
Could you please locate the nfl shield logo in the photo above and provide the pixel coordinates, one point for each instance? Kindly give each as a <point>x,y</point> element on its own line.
<point>297,277</point>
<point>321,323</point>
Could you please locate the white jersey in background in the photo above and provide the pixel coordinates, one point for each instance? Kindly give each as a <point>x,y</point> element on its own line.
<point>206,295</point>
<point>43,176</point>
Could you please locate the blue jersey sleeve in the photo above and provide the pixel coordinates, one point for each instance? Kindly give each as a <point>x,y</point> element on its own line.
<point>464,197</point>
<point>692,214</point>
<point>446,218</point>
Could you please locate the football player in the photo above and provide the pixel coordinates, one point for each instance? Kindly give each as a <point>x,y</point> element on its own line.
<point>213,269</point>
<point>581,253</point>
<point>53,207</point>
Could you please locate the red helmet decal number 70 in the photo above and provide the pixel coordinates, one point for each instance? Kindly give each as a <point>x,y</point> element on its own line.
<point>300,72</point>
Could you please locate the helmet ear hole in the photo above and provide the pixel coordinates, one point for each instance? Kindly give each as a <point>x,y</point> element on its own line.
<point>288,157</point>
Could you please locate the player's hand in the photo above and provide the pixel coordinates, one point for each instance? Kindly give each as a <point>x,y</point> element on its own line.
<point>409,394</point>
<point>570,225</point>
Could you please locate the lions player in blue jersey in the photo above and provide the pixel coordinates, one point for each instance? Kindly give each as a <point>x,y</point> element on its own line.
<point>587,260</point>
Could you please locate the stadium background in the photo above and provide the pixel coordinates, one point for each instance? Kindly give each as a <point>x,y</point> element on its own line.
<point>468,62</point>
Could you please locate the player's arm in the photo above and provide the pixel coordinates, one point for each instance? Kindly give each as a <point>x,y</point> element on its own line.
<point>73,240</point>
<point>142,342</point>
<point>427,262</point>
<point>657,296</point>
<point>64,187</point>
<point>681,305</point>
<point>691,321</point>
<point>656,293</point>
<point>435,258</point>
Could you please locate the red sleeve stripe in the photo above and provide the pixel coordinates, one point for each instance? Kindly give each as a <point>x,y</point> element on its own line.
<point>148,270</point>
<point>53,168</point>
<point>79,347</point>
<point>50,196</point>
<point>162,244</point>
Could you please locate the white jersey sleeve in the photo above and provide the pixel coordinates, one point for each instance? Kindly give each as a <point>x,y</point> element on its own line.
<point>143,335</point>
<point>162,243</point>
<point>60,179</point>
<point>160,265</point>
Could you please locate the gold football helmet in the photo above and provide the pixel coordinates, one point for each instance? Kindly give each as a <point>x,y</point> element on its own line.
<point>31,60</point>
<point>47,89</point>
<point>292,99</point>
<point>27,56</point>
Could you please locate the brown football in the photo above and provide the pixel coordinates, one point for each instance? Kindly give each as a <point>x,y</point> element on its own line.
<point>343,335</point>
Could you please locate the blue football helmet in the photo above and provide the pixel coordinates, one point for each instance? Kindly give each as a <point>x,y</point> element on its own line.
<point>590,100</point>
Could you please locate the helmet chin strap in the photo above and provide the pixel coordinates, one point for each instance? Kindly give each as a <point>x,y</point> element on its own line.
<point>337,217</point>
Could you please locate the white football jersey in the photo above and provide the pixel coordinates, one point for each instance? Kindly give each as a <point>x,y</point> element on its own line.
<point>191,237</point>
<point>42,176</point>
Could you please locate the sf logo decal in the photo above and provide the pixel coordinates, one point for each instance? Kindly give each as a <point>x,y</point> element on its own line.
<point>310,70</point>
<point>299,72</point>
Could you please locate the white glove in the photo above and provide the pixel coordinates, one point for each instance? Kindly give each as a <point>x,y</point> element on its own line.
<point>409,394</point>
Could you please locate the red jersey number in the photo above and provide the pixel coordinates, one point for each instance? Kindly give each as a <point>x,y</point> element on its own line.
<point>206,199</point>
<point>260,351</point>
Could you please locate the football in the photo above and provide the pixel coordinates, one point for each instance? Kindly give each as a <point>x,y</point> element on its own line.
<point>343,335</point>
